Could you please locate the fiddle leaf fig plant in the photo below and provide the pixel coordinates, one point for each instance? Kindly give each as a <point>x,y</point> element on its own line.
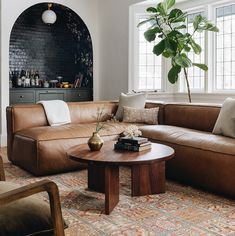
<point>170,26</point>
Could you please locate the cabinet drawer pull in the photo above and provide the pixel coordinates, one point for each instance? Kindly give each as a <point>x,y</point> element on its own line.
<point>21,96</point>
<point>79,95</point>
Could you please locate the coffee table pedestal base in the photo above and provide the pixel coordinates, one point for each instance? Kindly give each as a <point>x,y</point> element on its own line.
<point>105,179</point>
<point>147,179</point>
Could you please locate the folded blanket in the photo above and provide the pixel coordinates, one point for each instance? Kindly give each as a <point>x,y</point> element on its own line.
<point>57,112</point>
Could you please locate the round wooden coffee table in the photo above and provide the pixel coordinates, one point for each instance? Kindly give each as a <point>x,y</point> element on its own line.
<point>147,169</point>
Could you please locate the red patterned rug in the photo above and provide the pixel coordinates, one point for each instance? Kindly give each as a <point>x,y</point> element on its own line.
<point>181,210</point>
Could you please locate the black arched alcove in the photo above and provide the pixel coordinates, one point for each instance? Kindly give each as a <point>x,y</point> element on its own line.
<point>62,49</point>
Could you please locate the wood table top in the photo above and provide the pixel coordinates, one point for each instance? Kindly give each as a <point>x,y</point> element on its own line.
<point>107,154</point>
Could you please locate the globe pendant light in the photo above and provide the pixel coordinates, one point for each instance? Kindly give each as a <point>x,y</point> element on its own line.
<point>49,16</point>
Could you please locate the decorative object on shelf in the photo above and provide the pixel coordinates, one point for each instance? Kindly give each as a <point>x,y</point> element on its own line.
<point>78,81</point>
<point>95,142</point>
<point>53,83</point>
<point>170,26</point>
<point>46,84</point>
<point>59,78</point>
<point>49,16</point>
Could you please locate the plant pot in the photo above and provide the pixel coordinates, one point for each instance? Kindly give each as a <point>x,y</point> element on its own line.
<point>95,142</point>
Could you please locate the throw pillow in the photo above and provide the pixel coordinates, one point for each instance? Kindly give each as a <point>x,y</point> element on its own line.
<point>134,100</point>
<point>225,123</point>
<point>134,115</point>
<point>27,216</point>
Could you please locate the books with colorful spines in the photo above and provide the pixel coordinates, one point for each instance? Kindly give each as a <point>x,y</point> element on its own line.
<point>134,140</point>
<point>134,148</point>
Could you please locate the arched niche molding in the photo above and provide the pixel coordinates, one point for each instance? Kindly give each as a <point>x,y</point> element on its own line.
<point>61,49</point>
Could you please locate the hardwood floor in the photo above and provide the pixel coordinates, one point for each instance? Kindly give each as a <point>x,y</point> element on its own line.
<point>3,153</point>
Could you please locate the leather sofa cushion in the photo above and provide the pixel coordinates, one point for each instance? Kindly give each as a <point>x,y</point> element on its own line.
<point>193,116</point>
<point>190,138</point>
<point>27,216</point>
<point>71,131</point>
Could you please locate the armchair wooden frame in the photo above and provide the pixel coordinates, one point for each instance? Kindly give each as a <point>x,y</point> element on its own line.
<point>28,190</point>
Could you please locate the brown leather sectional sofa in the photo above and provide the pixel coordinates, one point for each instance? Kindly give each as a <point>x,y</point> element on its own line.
<point>202,159</point>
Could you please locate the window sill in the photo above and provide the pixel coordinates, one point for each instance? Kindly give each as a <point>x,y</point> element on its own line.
<point>196,97</point>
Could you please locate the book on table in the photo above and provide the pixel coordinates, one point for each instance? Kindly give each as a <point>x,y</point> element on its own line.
<point>135,144</point>
<point>133,140</point>
<point>134,148</point>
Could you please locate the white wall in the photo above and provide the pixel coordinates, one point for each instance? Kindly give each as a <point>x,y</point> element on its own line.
<point>113,46</point>
<point>10,10</point>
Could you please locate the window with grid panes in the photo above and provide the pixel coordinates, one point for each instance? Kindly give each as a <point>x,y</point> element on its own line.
<point>149,65</point>
<point>196,76</point>
<point>225,48</point>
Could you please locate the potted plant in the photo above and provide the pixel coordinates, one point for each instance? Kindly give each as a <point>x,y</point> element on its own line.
<point>169,24</point>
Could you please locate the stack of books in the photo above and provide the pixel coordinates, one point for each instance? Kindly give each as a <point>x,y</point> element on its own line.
<point>135,144</point>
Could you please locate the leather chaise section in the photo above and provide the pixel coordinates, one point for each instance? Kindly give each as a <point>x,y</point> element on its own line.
<point>43,149</point>
<point>190,138</point>
<point>201,158</point>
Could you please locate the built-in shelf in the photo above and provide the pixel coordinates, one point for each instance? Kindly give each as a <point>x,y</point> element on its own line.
<point>33,95</point>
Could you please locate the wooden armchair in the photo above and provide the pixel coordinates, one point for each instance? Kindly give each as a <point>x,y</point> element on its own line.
<point>31,189</point>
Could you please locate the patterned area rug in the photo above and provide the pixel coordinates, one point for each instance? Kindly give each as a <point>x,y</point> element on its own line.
<point>181,210</point>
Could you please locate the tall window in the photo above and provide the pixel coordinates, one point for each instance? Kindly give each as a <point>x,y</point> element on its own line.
<point>149,72</point>
<point>195,75</point>
<point>149,65</point>
<point>225,48</point>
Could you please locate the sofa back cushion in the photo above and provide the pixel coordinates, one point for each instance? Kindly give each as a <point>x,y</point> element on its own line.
<point>26,116</point>
<point>194,116</point>
<point>86,112</point>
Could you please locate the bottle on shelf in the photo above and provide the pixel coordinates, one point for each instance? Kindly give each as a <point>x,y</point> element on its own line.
<point>32,79</point>
<point>21,79</point>
<point>27,79</point>
<point>36,78</point>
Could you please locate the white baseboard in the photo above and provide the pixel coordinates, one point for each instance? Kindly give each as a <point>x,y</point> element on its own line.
<point>3,140</point>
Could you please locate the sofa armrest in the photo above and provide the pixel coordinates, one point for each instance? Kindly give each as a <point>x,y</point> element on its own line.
<point>21,117</point>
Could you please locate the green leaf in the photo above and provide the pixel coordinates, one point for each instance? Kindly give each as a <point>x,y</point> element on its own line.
<point>169,4</point>
<point>201,66</point>
<point>182,60</point>
<point>161,9</point>
<point>196,21</point>
<point>187,48</point>
<point>173,74</point>
<point>150,34</point>
<point>211,27</point>
<point>171,44</point>
<point>145,21</point>
<point>151,10</point>
<point>159,48</point>
<point>176,15</point>
<point>196,47</point>
<point>168,53</point>
<point>174,33</point>
<point>180,27</point>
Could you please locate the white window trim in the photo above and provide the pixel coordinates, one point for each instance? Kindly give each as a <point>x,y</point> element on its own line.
<point>133,82</point>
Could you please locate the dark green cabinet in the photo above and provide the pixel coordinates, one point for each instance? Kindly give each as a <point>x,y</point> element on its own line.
<point>45,95</point>
<point>31,95</point>
<point>79,95</point>
<point>22,96</point>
